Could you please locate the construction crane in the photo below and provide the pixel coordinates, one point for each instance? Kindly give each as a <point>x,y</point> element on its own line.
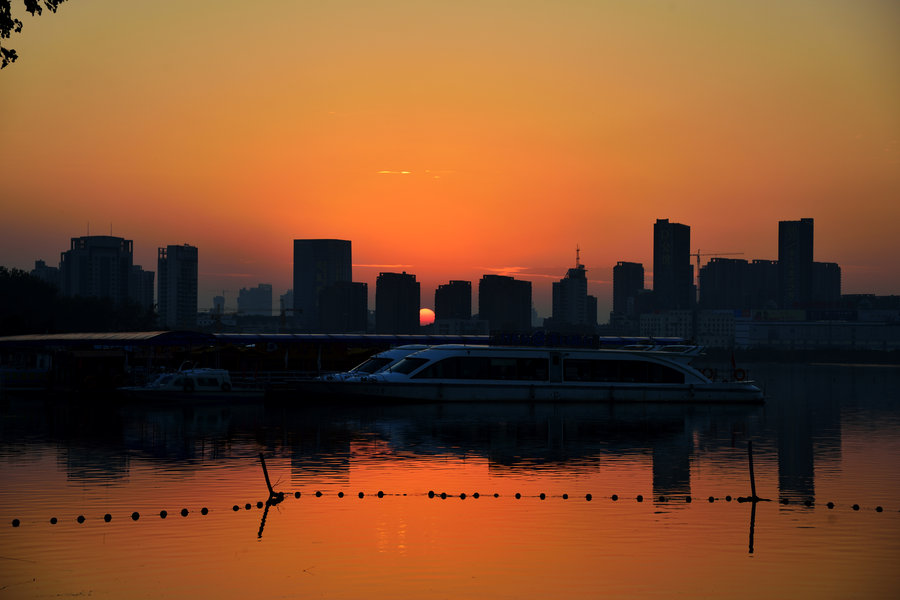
<point>698,254</point>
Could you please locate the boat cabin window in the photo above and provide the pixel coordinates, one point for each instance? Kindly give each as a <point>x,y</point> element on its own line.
<point>408,365</point>
<point>373,365</point>
<point>487,367</point>
<point>628,371</point>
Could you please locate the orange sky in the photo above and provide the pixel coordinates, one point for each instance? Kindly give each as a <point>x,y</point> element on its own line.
<point>455,139</point>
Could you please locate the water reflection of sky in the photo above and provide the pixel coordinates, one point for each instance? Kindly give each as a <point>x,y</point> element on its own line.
<point>827,434</point>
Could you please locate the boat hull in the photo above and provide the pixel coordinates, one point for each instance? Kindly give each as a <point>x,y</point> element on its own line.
<point>413,391</point>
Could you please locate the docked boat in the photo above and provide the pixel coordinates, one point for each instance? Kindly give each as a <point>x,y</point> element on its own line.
<point>191,384</point>
<point>376,363</point>
<point>452,373</point>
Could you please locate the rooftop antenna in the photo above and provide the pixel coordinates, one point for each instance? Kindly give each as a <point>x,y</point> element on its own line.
<point>577,256</point>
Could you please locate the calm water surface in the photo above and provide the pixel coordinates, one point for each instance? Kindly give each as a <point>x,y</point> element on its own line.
<point>828,434</point>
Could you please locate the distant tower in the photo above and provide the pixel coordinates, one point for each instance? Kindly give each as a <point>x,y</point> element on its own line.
<point>795,262</point>
<point>673,274</point>
<point>318,263</point>
<point>453,300</point>
<point>256,301</point>
<point>97,266</point>
<point>571,304</point>
<point>397,303</point>
<point>177,268</point>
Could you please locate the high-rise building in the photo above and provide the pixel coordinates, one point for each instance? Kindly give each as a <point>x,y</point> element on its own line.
<point>571,304</point>
<point>141,286</point>
<point>826,285</point>
<point>505,303</point>
<point>397,303</point>
<point>673,274</point>
<point>344,307</point>
<point>723,284</point>
<point>795,262</point>
<point>453,300</point>
<point>628,282</point>
<point>177,286</point>
<point>255,301</point>
<point>97,266</point>
<point>762,284</point>
<point>318,263</point>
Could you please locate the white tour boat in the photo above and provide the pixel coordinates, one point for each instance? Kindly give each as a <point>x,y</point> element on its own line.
<point>191,384</point>
<point>376,363</point>
<point>451,373</point>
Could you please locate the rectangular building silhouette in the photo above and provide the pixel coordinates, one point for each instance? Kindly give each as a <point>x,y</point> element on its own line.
<point>397,303</point>
<point>318,263</point>
<point>453,300</point>
<point>177,267</point>
<point>505,303</point>
<point>673,274</point>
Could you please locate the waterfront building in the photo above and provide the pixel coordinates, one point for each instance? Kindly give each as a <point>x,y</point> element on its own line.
<point>724,284</point>
<point>177,286</point>
<point>762,284</point>
<point>628,282</point>
<point>673,274</point>
<point>453,300</point>
<point>668,323</point>
<point>572,307</point>
<point>99,266</point>
<point>795,262</point>
<point>318,263</point>
<point>141,285</point>
<point>505,303</point>
<point>397,303</point>
<point>255,301</point>
<point>826,285</point>
<point>344,307</point>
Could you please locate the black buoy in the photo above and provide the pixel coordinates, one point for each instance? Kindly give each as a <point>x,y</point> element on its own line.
<point>878,509</point>
<point>318,494</point>
<point>431,493</point>
<point>135,516</point>
<point>248,506</point>
<point>565,496</point>
<point>462,496</point>
<point>235,508</point>
<point>688,499</point>
<point>15,522</point>
<point>107,517</point>
<point>362,495</point>
<point>163,514</point>
<point>855,507</point>
<point>808,502</point>
<point>588,497</point>
<point>728,498</point>
<point>615,497</point>
<point>639,498</point>
<point>496,495</point>
<point>380,494</point>
<point>475,495</point>
<point>830,505</point>
<point>259,504</point>
<point>80,519</point>
<point>204,511</point>
<point>340,494</point>
<point>543,496</point>
<point>518,495</point>
<point>296,494</point>
<point>711,499</point>
<point>53,520</point>
<point>443,495</point>
<point>184,511</point>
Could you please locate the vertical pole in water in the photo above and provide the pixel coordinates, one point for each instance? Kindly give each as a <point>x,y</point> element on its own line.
<point>266,474</point>
<point>753,496</point>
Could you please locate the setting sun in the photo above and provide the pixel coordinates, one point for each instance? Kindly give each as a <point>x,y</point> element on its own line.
<point>426,316</point>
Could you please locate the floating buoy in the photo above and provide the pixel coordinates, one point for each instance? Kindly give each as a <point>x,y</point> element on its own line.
<point>727,498</point>
<point>248,506</point>
<point>318,494</point>
<point>258,505</point>
<point>15,522</point>
<point>855,507</point>
<point>808,502</point>
<point>135,516</point>
<point>711,499</point>
<point>639,498</point>
<point>443,495</point>
<point>496,495</point>
<point>431,493</point>
<point>204,511</point>
<point>340,494</point>
<point>614,497</point>
<point>688,499</point>
<point>235,508</point>
<point>518,495</point>
<point>380,494</point>
<point>362,495</point>
<point>565,496</point>
<point>475,495</point>
<point>53,520</point>
<point>588,497</point>
<point>163,514</point>
<point>296,494</point>
<point>830,505</point>
<point>878,509</point>
<point>462,496</point>
<point>543,495</point>
<point>184,511</point>
<point>80,519</point>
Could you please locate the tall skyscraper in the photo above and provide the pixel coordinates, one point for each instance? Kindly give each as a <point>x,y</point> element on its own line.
<point>505,303</point>
<point>177,286</point>
<point>397,303</point>
<point>673,274</point>
<point>318,264</point>
<point>571,304</point>
<point>795,262</point>
<point>97,266</point>
<point>628,282</point>
<point>453,300</point>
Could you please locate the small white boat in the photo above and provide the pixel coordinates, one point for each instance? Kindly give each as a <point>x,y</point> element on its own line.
<point>191,384</point>
<point>451,373</point>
